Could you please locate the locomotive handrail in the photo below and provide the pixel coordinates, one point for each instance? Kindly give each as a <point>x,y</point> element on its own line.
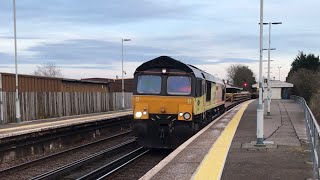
<point>313,131</point>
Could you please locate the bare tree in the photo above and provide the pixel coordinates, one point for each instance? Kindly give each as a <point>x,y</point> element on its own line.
<point>241,76</point>
<point>231,72</point>
<point>48,70</point>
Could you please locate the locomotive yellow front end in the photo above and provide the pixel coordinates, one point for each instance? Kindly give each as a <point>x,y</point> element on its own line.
<point>162,107</point>
<point>162,122</point>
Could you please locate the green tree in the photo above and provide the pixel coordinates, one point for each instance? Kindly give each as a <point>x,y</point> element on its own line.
<point>310,62</point>
<point>305,75</point>
<point>241,76</point>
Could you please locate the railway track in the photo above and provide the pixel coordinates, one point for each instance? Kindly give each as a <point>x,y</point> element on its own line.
<point>11,142</point>
<point>35,167</point>
<point>38,143</point>
<point>138,167</point>
<point>98,165</point>
<point>101,165</point>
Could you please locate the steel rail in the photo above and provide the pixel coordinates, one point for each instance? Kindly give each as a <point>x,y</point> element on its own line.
<point>115,165</point>
<point>28,164</point>
<point>57,173</point>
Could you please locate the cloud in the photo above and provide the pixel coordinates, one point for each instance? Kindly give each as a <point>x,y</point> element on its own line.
<point>6,58</point>
<point>84,36</point>
<point>97,11</point>
<point>92,51</point>
<point>237,60</point>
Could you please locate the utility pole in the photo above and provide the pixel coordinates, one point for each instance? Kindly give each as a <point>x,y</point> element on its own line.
<point>18,115</point>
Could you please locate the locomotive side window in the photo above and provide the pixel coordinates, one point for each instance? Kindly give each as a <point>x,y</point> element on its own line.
<point>208,95</point>
<point>223,93</point>
<point>199,91</point>
<point>179,85</point>
<point>149,84</point>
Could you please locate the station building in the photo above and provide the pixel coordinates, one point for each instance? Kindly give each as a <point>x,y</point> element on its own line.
<point>279,89</point>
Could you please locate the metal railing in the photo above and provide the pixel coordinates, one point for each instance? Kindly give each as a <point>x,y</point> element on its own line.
<point>313,131</point>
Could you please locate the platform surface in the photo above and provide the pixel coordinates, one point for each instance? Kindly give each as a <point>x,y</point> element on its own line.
<point>207,155</point>
<point>185,160</point>
<point>288,158</point>
<point>15,129</point>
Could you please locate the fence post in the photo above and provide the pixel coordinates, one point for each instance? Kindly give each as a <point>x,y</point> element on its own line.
<point>1,102</point>
<point>317,151</point>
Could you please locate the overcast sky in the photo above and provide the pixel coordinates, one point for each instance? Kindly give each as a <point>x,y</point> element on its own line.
<point>84,37</point>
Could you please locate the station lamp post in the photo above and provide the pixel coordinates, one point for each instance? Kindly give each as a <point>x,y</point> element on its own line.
<point>122,72</point>
<point>18,115</point>
<point>260,105</point>
<point>269,49</point>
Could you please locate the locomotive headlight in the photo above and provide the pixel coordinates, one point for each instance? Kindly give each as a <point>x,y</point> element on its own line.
<point>187,116</point>
<point>144,113</point>
<point>138,114</point>
<point>181,114</point>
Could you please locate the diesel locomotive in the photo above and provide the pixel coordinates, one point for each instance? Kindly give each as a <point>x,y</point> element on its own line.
<point>172,101</point>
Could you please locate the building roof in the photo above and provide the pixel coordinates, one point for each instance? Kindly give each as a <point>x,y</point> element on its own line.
<point>57,78</point>
<point>275,84</point>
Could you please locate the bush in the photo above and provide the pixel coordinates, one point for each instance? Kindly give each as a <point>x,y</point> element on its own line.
<point>306,83</point>
<point>314,105</point>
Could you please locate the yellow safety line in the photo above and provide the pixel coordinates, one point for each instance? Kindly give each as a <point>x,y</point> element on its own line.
<point>212,165</point>
<point>62,122</point>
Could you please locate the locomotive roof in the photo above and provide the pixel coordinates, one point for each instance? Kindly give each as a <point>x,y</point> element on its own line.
<point>168,62</point>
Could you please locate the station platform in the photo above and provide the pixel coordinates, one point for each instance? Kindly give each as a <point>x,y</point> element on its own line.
<point>225,149</point>
<point>17,129</point>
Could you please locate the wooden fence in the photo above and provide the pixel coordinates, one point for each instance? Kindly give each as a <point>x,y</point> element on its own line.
<point>42,105</point>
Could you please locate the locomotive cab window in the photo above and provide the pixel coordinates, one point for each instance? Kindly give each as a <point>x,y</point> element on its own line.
<point>179,85</point>
<point>149,84</point>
